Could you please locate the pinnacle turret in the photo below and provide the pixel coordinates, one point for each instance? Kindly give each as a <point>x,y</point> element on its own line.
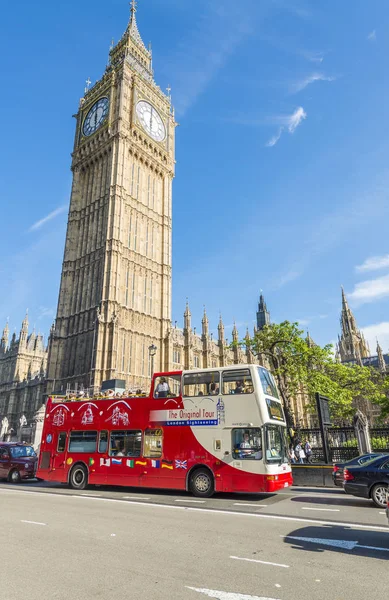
<point>187,317</point>
<point>205,324</point>
<point>263,315</point>
<point>220,329</point>
<point>381,359</point>
<point>352,345</point>
<point>5,337</point>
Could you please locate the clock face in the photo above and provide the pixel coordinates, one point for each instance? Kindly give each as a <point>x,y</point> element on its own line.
<point>96,116</point>
<point>151,120</point>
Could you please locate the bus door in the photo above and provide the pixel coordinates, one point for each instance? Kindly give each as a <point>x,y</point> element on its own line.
<point>58,451</point>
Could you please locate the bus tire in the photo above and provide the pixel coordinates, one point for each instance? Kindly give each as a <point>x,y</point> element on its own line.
<point>201,483</point>
<point>78,478</point>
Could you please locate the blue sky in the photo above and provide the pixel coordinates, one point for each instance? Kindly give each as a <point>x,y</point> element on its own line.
<point>282,153</point>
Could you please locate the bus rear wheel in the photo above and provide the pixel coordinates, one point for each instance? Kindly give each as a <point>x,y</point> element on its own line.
<point>78,479</point>
<point>201,483</point>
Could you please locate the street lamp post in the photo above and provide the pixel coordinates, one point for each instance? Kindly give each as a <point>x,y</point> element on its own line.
<point>152,352</point>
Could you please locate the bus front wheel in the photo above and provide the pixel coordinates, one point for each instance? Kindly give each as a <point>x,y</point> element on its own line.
<point>78,479</point>
<point>201,483</point>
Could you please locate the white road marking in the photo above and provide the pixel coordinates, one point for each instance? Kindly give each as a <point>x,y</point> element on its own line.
<point>347,545</point>
<point>134,498</point>
<point>256,515</point>
<point>194,501</point>
<point>382,513</point>
<point>32,522</point>
<point>323,509</point>
<point>262,562</point>
<point>277,585</point>
<point>92,495</point>
<point>248,504</point>
<point>317,580</point>
<point>226,595</point>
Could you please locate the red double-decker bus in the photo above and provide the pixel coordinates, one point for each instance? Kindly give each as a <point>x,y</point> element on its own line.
<point>205,431</point>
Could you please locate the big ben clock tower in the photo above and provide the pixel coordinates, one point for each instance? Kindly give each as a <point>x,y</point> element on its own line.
<point>115,293</point>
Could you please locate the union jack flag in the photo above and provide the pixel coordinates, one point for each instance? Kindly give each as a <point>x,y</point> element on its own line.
<point>181,464</point>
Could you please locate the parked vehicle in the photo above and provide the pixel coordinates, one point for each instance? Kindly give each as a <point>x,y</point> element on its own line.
<point>17,461</point>
<point>337,473</point>
<point>370,480</point>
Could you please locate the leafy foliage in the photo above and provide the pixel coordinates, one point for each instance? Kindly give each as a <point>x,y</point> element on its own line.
<point>302,367</point>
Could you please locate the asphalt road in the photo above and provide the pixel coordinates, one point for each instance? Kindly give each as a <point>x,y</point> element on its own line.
<point>119,543</point>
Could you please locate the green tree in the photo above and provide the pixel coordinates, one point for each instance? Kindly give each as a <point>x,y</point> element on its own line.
<point>300,366</point>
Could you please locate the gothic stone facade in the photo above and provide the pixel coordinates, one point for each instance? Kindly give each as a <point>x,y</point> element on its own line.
<point>23,364</point>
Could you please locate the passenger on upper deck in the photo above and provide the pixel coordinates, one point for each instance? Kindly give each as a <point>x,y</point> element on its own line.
<point>213,390</point>
<point>239,388</point>
<point>162,389</point>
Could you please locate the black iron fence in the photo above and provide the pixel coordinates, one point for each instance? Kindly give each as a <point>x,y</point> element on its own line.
<point>343,442</point>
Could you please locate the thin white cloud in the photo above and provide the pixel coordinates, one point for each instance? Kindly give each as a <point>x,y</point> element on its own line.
<point>308,320</point>
<point>274,139</point>
<point>313,57</point>
<point>370,290</point>
<point>289,122</point>
<point>380,332</point>
<point>294,120</point>
<point>306,81</point>
<point>286,278</point>
<point>372,37</point>
<point>47,218</point>
<point>374,263</point>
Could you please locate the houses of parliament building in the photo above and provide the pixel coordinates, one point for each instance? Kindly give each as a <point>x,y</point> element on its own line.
<point>115,292</point>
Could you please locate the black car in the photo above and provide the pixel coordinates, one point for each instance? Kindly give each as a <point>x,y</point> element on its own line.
<point>370,480</point>
<point>337,473</point>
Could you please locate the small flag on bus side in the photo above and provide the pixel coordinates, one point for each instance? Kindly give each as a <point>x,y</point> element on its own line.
<point>130,463</point>
<point>156,464</point>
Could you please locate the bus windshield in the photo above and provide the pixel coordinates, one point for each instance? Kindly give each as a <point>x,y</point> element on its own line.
<point>268,384</point>
<point>275,444</point>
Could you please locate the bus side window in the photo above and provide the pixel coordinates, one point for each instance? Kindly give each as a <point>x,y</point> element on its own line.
<point>152,446</point>
<point>238,381</point>
<point>103,442</point>
<point>61,442</point>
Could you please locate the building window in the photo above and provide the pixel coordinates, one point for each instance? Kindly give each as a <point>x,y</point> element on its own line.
<point>148,190</point>
<point>196,361</point>
<point>177,357</point>
<point>152,244</point>
<point>136,234</point>
<point>153,193</point>
<point>145,296</point>
<point>130,231</point>
<point>123,351</point>
<point>143,358</point>
<point>147,241</point>
<point>133,291</point>
<point>151,297</point>
<point>138,183</point>
<point>130,356</point>
<point>127,282</point>
<point>132,179</point>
